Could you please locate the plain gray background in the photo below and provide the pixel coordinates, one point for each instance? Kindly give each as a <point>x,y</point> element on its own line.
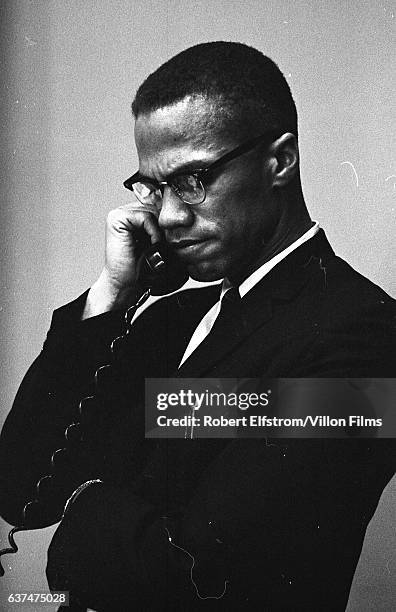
<point>70,69</point>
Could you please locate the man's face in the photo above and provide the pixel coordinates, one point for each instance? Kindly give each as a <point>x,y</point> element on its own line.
<point>229,232</point>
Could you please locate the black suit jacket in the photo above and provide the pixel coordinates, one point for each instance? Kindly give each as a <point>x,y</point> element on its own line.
<point>222,524</point>
<point>312,315</point>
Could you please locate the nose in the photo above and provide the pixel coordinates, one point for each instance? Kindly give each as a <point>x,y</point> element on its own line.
<point>174,212</point>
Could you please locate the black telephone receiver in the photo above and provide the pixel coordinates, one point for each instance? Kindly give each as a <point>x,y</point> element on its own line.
<point>159,272</point>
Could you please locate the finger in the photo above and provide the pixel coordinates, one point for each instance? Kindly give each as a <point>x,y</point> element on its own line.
<point>136,206</point>
<point>134,220</point>
<point>150,226</point>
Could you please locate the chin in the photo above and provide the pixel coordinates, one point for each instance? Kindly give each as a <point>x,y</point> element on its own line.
<point>205,274</point>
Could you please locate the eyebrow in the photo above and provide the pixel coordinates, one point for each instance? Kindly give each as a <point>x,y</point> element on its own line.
<point>184,168</point>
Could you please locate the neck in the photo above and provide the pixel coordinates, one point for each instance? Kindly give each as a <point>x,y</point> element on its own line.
<point>285,233</point>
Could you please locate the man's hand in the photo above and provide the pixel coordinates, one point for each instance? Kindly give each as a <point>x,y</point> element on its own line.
<point>125,227</point>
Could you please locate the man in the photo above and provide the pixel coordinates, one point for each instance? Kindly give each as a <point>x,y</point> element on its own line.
<point>204,524</point>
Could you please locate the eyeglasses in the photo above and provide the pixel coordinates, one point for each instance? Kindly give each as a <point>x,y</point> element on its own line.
<point>188,186</point>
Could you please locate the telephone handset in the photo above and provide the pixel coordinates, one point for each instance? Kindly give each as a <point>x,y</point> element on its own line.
<point>159,272</point>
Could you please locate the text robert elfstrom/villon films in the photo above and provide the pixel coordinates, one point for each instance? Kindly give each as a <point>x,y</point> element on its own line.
<point>265,421</point>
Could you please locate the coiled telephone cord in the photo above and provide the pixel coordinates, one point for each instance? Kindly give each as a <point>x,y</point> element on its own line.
<point>74,434</point>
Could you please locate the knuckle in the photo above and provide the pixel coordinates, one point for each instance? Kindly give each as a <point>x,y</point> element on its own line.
<point>129,216</point>
<point>112,214</point>
<point>121,213</point>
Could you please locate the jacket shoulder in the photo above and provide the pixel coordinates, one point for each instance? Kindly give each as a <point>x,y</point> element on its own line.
<point>350,292</point>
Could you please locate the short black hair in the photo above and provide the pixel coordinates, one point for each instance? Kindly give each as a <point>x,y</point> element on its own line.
<point>249,91</point>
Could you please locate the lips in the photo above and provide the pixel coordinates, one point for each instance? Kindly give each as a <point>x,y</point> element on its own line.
<point>187,247</point>
<point>181,244</point>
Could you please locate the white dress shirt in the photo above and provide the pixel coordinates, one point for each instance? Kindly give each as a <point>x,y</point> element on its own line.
<point>208,320</point>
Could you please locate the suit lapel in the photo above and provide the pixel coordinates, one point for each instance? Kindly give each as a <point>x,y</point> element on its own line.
<point>210,352</point>
<point>284,281</point>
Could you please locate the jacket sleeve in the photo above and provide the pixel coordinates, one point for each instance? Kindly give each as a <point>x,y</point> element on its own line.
<point>267,524</point>
<point>49,397</point>
<point>47,402</point>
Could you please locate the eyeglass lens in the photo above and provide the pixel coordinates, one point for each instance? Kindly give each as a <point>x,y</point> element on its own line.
<point>188,187</point>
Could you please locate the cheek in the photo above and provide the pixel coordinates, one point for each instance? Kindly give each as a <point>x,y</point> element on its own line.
<point>235,214</point>
<point>238,207</point>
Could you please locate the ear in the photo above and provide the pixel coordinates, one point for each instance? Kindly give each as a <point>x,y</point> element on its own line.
<point>284,159</point>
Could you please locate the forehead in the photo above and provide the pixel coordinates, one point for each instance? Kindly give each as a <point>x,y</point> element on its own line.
<point>183,128</point>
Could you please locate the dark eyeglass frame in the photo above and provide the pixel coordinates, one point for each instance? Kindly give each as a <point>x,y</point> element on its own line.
<point>201,172</point>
